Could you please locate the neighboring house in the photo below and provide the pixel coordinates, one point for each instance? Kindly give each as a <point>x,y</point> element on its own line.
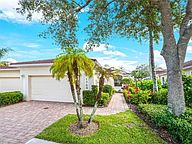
<point>187,67</point>
<point>118,81</point>
<point>162,73</point>
<point>35,81</point>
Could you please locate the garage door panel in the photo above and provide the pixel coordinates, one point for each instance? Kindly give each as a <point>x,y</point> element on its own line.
<point>49,89</point>
<point>10,84</point>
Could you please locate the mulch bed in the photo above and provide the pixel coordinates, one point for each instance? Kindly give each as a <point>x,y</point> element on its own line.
<point>160,131</point>
<point>86,130</point>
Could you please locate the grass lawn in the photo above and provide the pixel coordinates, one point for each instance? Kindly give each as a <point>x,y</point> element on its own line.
<point>121,128</point>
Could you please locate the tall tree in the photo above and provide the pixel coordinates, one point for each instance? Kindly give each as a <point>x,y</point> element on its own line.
<point>72,63</point>
<point>105,19</point>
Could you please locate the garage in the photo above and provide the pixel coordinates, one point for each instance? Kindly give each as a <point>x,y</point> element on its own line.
<point>8,84</point>
<point>46,88</point>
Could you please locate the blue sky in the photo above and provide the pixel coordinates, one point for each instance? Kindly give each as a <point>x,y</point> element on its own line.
<point>22,36</point>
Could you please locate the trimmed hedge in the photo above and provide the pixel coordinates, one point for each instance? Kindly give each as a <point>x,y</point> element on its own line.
<point>89,97</point>
<point>179,128</point>
<point>108,89</point>
<point>160,97</point>
<point>7,98</point>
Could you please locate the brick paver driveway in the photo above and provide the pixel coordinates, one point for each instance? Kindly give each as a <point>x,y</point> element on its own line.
<point>21,122</point>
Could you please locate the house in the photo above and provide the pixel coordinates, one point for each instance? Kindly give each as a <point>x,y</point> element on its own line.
<point>161,74</point>
<point>34,80</point>
<point>187,67</point>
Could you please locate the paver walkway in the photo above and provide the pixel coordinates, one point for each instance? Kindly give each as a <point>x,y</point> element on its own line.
<point>21,122</point>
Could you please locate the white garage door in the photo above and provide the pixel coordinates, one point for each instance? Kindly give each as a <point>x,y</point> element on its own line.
<point>45,88</point>
<point>10,84</point>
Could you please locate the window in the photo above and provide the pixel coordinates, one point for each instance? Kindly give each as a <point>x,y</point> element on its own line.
<point>86,83</point>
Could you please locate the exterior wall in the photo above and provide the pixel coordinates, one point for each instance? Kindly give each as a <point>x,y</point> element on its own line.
<point>10,80</point>
<point>188,71</point>
<point>27,72</point>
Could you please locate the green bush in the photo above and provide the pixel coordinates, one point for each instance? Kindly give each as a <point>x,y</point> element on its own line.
<point>148,84</point>
<point>179,128</point>
<point>137,97</point>
<point>7,98</point>
<point>105,99</point>
<point>160,97</point>
<point>187,84</point>
<point>89,97</point>
<point>141,97</point>
<point>108,89</point>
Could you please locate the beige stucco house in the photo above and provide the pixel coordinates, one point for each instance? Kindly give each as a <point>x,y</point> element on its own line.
<point>35,81</point>
<point>162,73</point>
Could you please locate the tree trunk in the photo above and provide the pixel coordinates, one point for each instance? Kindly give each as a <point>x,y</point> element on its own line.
<point>176,100</point>
<point>78,91</point>
<point>98,97</point>
<point>152,62</point>
<point>80,124</point>
<point>73,95</point>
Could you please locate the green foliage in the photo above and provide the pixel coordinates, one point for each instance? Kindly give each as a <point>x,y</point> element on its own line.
<point>89,97</point>
<point>187,84</point>
<point>127,81</point>
<point>7,98</point>
<point>67,62</point>
<point>108,89</point>
<point>148,84</point>
<point>136,96</point>
<point>4,51</point>
<point>160,97</point>
<point>179,128</point>
<point>94,89</point>
<point>141,72</point>
<point>121,128</point>
<point>105,99</point>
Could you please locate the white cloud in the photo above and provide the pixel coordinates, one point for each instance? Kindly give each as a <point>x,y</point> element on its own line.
<point>159,60</point>
<point>116,53</point>
<point>8,12</point>
<point>11,60</point>
<point>99,48</point>
<point>31,45</point>
<point>106,50</point>
<point>189,49</point>
<point>117,63</point>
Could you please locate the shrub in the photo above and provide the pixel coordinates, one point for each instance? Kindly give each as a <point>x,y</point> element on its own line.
<point>105,99</point>
<point>137,96</point>
<point>148,84</point>
<point>108,89</point>
<point>160,97</point>
<point>179,128</point>
<point>187,84</point>
<point>89,97</point>
<point>7,98</point>
<point>141,97</point>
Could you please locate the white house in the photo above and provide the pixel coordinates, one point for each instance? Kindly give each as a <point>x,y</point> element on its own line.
<point>162,73</point>
<point>34,80</point>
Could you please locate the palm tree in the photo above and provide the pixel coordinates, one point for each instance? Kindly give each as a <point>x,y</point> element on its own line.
<point>72,63</point>
<point>3,52</point>
<point>103,73</point>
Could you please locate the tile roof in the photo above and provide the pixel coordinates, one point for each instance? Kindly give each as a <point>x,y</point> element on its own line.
<point>37,62</point>
<point>187,64</point>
